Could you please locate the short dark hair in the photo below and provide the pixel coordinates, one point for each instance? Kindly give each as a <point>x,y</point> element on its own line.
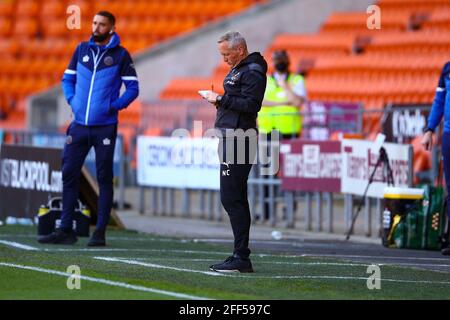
<point>280,54</point>
<point>108,15</point>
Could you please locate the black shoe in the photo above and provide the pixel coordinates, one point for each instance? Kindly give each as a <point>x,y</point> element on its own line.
<point>446,250</point>
<point>233,264</point>
<point>97,239</point>
<point>59,237</point>
<point>213,266</point>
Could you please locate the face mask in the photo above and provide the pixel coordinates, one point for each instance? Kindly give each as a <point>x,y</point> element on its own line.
<point>281,66</point>
<point>100,37</point>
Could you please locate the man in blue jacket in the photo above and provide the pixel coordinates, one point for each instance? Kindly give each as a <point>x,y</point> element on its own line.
<point>91,86</point>
<point>441,108</point>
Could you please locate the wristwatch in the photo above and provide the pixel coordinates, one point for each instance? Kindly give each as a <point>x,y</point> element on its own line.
<point>218,99</point>
<point>427,129</point>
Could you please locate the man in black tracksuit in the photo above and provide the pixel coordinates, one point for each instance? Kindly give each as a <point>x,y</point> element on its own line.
<point>237,111</point>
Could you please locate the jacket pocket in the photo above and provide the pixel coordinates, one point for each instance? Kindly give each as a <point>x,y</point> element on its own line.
<point>77,110</point>
<point>227,119</point>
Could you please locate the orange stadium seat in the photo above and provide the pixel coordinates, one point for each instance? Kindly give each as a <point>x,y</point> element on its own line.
<point>343,22</point>
<point>187,88</point>
<point>36,45</point>
<point>438,20</point>
<point>25,28</point>
<point>5,26</point>
<point>8,48</point>
<point>164,115</point>
<point>27,8</point>
<point>52,8</point>
<point>413,5</point>
<point>6,8</point>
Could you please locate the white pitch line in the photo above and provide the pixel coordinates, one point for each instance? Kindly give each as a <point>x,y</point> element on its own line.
<point>312,255</point>
<point>276,242</point>
<point>151,265</point>
<point>106,282</point>
<point>30,236</point>
<point>18,245</point>
<point>31,248</point>
<point>261,255</point>
<point>259,262</point>
<point>157,266</point>
<point>135,250</point>
<point>344,264</point>
<point>346,278</point>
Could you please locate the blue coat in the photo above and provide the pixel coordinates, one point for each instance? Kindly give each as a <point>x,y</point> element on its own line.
<point>441,104</point>
<point>92,82</point>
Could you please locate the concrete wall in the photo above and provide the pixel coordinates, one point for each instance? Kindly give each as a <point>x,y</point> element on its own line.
<point>195,54</point>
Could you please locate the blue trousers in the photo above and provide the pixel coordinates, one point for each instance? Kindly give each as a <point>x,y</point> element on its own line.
<point>80,139</point>
<point>446,156</point>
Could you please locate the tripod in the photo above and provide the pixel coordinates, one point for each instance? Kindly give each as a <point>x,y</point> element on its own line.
<point>382,158</point>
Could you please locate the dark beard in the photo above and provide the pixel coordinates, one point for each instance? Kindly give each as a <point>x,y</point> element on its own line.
<point>100,37</point>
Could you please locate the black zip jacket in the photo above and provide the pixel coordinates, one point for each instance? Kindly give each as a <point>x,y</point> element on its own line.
<point>244,87</point>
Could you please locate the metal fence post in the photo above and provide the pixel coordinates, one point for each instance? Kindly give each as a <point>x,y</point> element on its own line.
<point>367,217</point>
<point>171,202</point>
<point>202,203</point>
<point>219,216</point>
<point>308,218</point>
<point>272,218</point>
<point>141,200</point>
<point>185,203</point>
<point>318,196</point>
<point>330,214</point>
<point>378,209</point>
<point>289,205</point>
<point>209,206</point>
<point>348,212</point>
<point>155,201</point>
<point>410,166</point>
<point>262,199</point>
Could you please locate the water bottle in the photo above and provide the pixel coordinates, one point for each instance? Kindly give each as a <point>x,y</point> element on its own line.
<point>276,235</point>
<point>386,219</point>
<point>11,220</point>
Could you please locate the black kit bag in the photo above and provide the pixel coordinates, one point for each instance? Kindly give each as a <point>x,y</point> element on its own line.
<point>49,218</point>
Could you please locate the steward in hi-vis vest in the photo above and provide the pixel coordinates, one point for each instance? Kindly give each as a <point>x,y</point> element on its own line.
<point>285,94</point>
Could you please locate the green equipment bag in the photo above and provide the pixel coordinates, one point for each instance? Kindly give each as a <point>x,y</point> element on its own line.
<point>418,224</point>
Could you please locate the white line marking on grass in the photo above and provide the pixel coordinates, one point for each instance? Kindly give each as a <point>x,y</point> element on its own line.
<point>104,281</point>
<point>156,266</point>
<point>151,265</point>
<point>18,245</point>
<point>363,257</point>
<point>137,250</point>
<point>259,262</point>
<point>260,255</point>
<point>277,242</point>
<point>346,278</point>
<point>302,263</point>
<point>109,238</point>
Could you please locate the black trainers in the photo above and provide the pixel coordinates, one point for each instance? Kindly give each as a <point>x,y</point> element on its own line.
<point>97,239</point>
<point>211,267</point>
<point>233,263</point>
<point>446,250</point>
<point>59,236</point>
